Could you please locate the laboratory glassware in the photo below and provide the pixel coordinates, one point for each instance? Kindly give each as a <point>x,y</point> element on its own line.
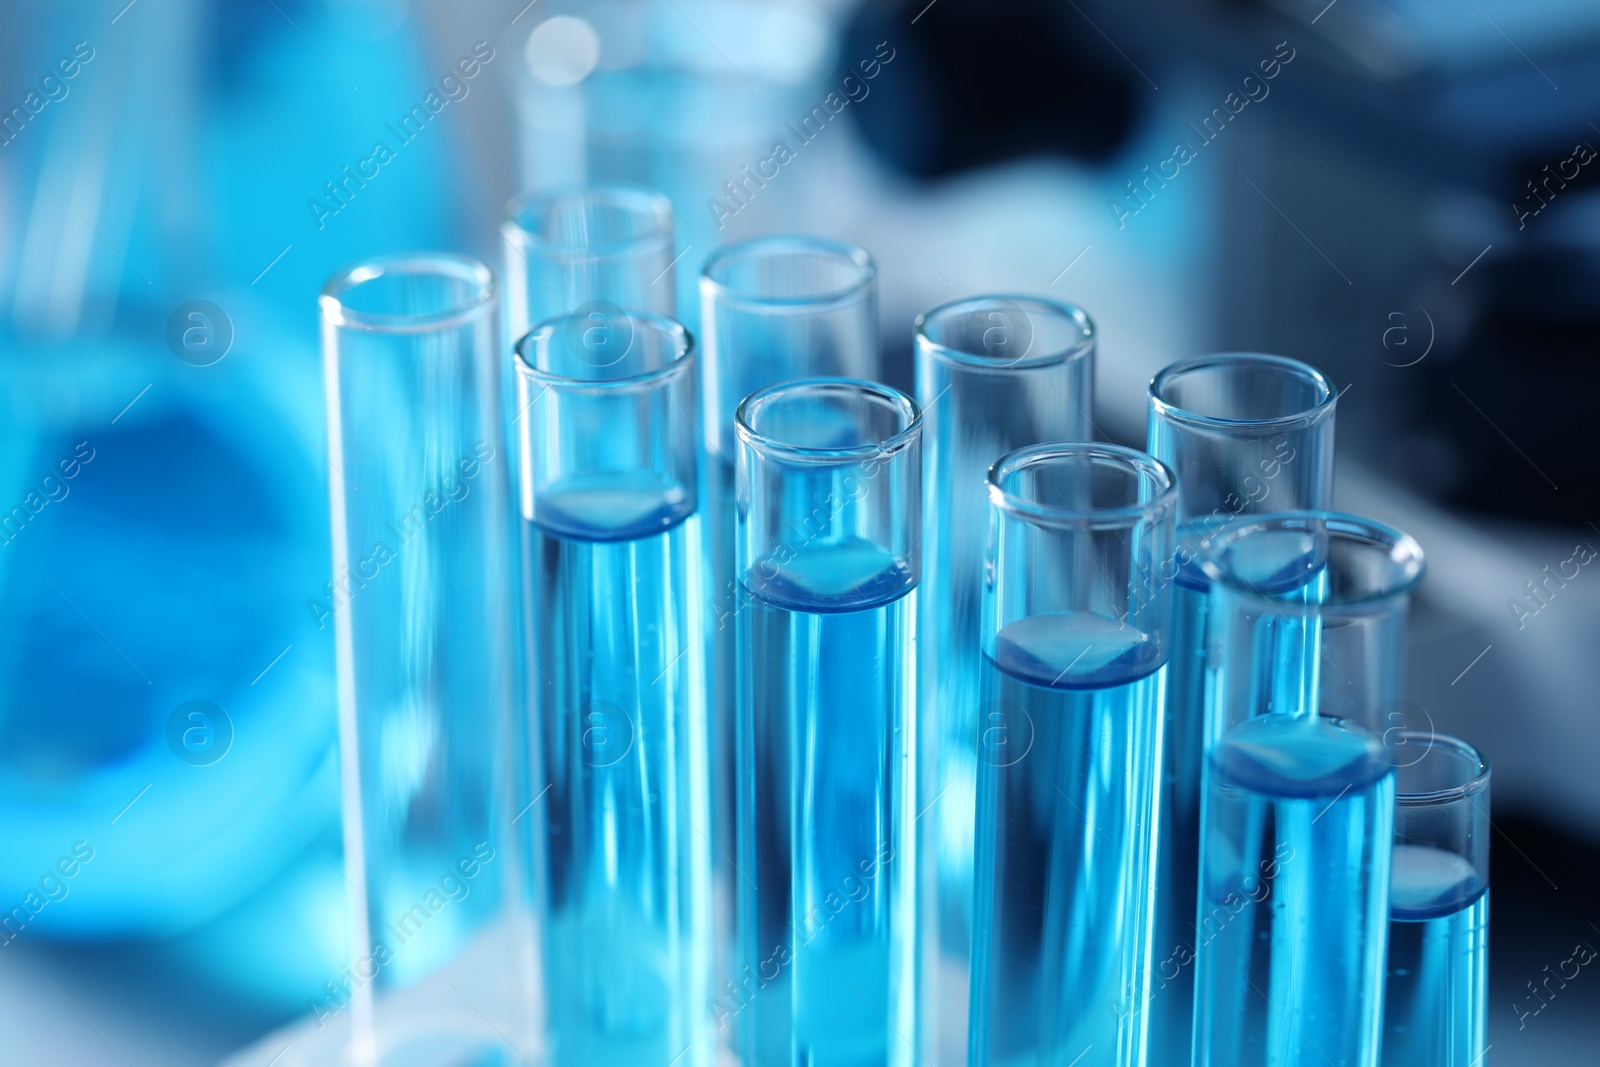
<point>1436,994</point>
<point>1074,637</point>
<point>584,249</point>
<point>773,309</point>
<point>631,93</point>
<point>1245,433</point>
<point>1304,650</point>
<point>829,479</point>
<point>419,602</point>
<point>615,672</point>
<point>994,373</point>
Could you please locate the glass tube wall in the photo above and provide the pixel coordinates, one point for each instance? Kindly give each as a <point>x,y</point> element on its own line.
<point>419,503</point>
<point>1245,434</point>
<point>582,248</point>
<point>1304,651</point>
<point>774,309</point>
<point>1075,647</point>
<point>994,373</point>
<point>829,553</point>
<point>1436,996</point>
<point>610,563</point>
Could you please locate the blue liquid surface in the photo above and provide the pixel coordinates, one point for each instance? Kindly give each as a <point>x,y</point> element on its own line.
<point>1437,987</point>
<point>1293,915</point>
<point>619,713</point>
<point>1065,842</point>
<point>825,856</point>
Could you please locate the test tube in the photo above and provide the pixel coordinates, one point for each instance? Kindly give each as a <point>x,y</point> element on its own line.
<point>1246,434</point>
<point>1437,989</point>
<point>1075,647</point>
<point>1304,649</point>
<point>419,505</point>
<point>994,373</point>
<point>773,309</point>
<point>610,560</point>
<point>829,478</point>
<point>582,248</point>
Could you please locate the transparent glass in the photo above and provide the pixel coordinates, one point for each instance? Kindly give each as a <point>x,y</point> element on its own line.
<point>1075,645</point>
<point>1436,995</point>
<point>582,248</point>
<point>774,309</point>
<point>611,573</point>
<point>994,373</point>
<point>419,504</point>
<point>1246,434</point>
<point>1303,672</point>
<point>828,490</point>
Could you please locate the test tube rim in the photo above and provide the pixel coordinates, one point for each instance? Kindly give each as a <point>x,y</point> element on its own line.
<point>337,313</point>
<point>651,204</point>
<point>861,288</point>
<point>909,433</point>
<point>949,354</point>
<point>1472,787</point>
<point>1403,549</point>
<point>680,364</point>
<point>1328,396</point>
<point>1121,516</point>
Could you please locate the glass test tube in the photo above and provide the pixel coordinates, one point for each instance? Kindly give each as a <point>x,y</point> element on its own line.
<point>774,309</point>
<point>1245,434</point>
<point>829,480</point>
<point>419,503</point>
<point>587,248</point>
<point>1437,990</point>
<point>1304,650</point>
<point>1074,639</point>
<point>610,562</point>
<point>994,373</point>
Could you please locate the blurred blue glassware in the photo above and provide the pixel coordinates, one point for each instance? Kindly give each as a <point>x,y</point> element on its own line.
<point>629,92</point>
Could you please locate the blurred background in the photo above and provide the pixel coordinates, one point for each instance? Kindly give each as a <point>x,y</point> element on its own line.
<point>1404,193</point>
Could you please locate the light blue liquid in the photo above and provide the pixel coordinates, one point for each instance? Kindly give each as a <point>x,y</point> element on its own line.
<point>1279,565</point>
<point>1065,843</point>
<point>724,597</point>
<point>826,861</point>
<point>1171,1001</point>
<point>621,725</point>
<point>1294,884</point>
<point>1437,987</point>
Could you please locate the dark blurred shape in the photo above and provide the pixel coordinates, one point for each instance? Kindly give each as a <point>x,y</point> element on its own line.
<point>1528,366</point>
<point>976,84</point>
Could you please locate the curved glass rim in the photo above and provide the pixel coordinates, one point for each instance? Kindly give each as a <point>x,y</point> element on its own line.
<point>839,251</point>
<point>638,199</point>
<point>1053,308</point>
<point>909,412</point>
<point>1142,465</point>
<point>1305,372</point>
<point>483,290</point>
<point>1402,548</point>
<point>681,363</point>
<point>1472,786</point>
